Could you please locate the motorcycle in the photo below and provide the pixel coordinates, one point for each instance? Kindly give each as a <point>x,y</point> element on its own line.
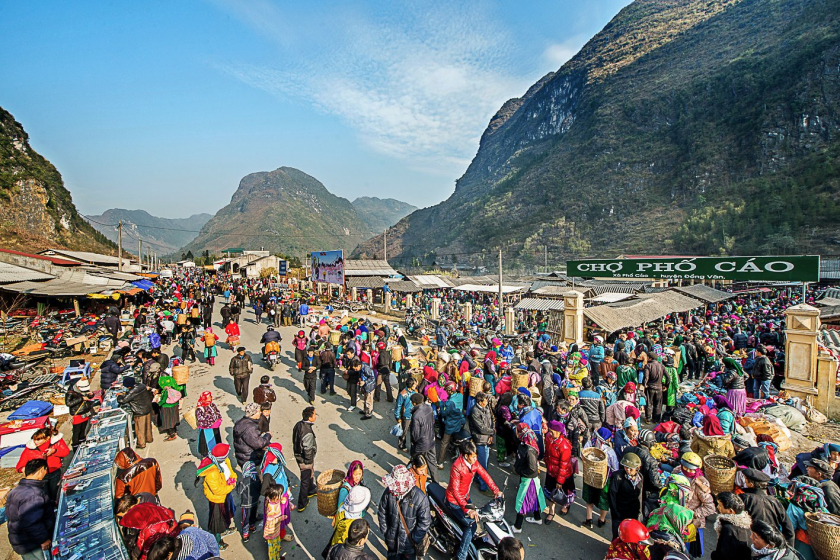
<point>271,359</point>
<point>446,533</point>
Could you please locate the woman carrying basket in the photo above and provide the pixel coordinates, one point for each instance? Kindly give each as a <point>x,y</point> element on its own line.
<point>170,395</point>
<point>208,421</point>
<point>599,497</point>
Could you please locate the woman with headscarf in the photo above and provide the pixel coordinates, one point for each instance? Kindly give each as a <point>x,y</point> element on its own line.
<point>725,414</point>
<point>599,497</point>
<point>219,482</point>
<point>170,395</point>
<point>355,477</point>
<point>669,525</point>
<point>711,439</point>
<point>208,421</point>
<point>490,363</point>
<point>506,420</point>
<point>530,497</point>
<point>699,499</point>
<point>558,463</point>
<point>805,497</point>
<point>733,381</point>
<point>210,351</point>
<point>300,343</point>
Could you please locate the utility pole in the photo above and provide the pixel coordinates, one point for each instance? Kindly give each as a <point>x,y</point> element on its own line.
<point>546,258</point>
<point>386,244</point>
<point>140,253</point>
<point>119,245</point>
<point>501,305</point>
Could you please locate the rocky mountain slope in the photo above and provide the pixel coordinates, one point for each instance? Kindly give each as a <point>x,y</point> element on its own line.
<point>381,213</point>
<point>286,211</point>
<point>684,126</point>
<point>36,210</point>
<point>165,235</point>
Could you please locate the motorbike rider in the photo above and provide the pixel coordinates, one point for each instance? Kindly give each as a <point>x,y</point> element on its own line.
<point>458,504</point>
<point>271,341</point>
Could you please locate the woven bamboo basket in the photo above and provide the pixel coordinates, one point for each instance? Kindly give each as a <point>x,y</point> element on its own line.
<point>440,365</point>
<point>476,384</point>
<point>519,378</point>
<point>181,374</point>
<point>335,336</point>
<point>189,417</point>
<point>595,467</point>
<point>825,538</point>
<point>720,471</point>
<point>328,484</point>
<point>418,377</point>
<point>57,399</point>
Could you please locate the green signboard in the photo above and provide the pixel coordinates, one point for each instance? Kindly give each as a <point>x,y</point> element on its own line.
<point>753,269</point>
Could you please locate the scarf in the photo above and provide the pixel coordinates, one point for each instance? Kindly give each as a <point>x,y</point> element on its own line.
<point>734,364</point>
<point>810,499</point>
<point>353,466</point>
<point>711,426</point>
<point>526,435</point>
<point>206,399</point>
<point>491,356</point>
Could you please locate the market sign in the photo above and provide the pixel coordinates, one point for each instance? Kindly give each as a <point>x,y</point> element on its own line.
<point>753,269</point>
<point>282,268</point>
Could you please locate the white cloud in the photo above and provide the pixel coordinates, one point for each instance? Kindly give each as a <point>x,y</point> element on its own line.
<point>558,54</point>
<point>419,84</point>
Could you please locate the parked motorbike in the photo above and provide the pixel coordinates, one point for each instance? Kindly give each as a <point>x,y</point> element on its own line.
<point>446,533</point>
<point>271,359</point>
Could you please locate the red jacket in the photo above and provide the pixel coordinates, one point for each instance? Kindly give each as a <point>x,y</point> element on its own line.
<point>53,461</point>
<point>460,480</point>
<point>558,457</point>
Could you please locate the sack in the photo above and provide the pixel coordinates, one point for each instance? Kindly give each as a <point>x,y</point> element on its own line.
<point>814,415</point>
<point>397,430</point>
<point>209,339</point>
<point>172,395</point>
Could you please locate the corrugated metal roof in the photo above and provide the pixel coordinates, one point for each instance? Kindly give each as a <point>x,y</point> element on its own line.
<point>72,283</point>
<point>364,282</point>
<point>429,281</point>
<point>53,260</point>
<point>704,293</point>
<point>368,268</point>
<point>614,289</point>
<point>493,289</point>
<point>536,304</point>
<point>84,256</point>
<point>10,273</point>
<point>611,297</point>
<point>404,286</point>
<point>637,312</point>
<point>551,290</point>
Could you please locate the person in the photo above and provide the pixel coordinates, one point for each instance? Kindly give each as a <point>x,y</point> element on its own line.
<point>210,350</point>
<point>47,444</point>
<point>420,471</point>
<point>110,370</point>
<point>367,383</point>
<point>355,477</point>
<point>170,395</point>
<point>805,497</point>
<point>383,373</point>
<point>464,469</point>
<point>404,516</point>
<point>248,442</point>
<point>326,360</point>
<point>136,474</point>
<point>240,368</point>
<point>423,429</point>
<point>138,400</point>
<point>249,488</point>
<point>208,422</point>
<point>219,482</point>
<point>264,393</point>
<point>300,344</point>
<point>482,429</point>
<point>453,421</point>
<point>258,311</point>
<point>305,448</point>
<point>655,380</point>
<point>631,542</point>
<point>558,463</point>
<point>599,497</point>
<point>30,512</point>
<point>352,507</point>
<point>164,548</point>
<point>113,326</point>
<point>235,312</point>
<point>822,471</point>
<point>529,497</point>
<point>700,500</point>
<point>625,493</point>
<point>196,543</point>
<point>354,547</point>
<point>762,373</point>
<point>271,341</point>
<point>732,527</point>
<point>767,543</point>
<point>510,548</point>
<point>311,366</point>
<point>143,525</point>
<point>187,341</point>
<point>276,517</point>
<point>303,313</point>
<point>82,405</point>
<point>402,411</point>
<point>763,507</point>
<point>592,404</point>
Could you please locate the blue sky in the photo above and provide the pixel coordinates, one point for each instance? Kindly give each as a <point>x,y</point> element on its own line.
<point>165,106</point>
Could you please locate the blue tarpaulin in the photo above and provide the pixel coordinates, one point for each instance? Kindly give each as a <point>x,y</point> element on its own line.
<point>143,284</point>
<point>30,410</point>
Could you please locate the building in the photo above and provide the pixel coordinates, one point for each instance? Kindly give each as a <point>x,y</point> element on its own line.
<point>84,257</point>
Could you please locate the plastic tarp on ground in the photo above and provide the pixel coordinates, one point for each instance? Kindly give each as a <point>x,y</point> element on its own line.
<point>144,284</point>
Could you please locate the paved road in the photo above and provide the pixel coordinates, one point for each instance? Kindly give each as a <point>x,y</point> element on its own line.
<point>342,437</point>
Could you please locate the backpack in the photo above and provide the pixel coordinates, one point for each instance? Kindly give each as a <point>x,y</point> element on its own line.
<point>172,395</point>
<point>194,313</point>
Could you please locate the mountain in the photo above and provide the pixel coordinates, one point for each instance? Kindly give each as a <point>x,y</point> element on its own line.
<point>36,210</point>
<point>165,235</point>
<point>286,211</point>
<point>381,213</point>
<point>684,126</point>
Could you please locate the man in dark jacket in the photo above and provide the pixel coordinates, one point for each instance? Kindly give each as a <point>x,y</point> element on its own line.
<point>732,527</point>
<point>625,494</point>
<point>353,548</point>
<point>404,516</point>
<point>113,326</point>
<point>482,428</point>
<point>592,405</point>
<point>248,443</point>
<point>655,379</point>
<point>30,513</point>
<point>763,507</point>
<point>225,313</point>
<point>762,373</point>
<point>822,471</point>
<point>649,469</point>
<point>161,358</point>
<point>305,448</point>
<point>109,370</point>
<point>138,400</point>
<point>240,368</point>
<point>423,430</point>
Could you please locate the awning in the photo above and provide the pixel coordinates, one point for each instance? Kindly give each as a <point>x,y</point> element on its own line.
<point>403,286</point>
<point>143,284</point>
<point>704,293</point>
<point>536,304</point>
<point>637,312</point>
<point>364,282</point>
<point>429,281</point>
<point>611,297</point>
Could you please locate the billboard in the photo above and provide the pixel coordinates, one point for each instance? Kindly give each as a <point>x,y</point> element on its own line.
<point>328,267</point>
<point>740,269</point>
<point>282,268</point>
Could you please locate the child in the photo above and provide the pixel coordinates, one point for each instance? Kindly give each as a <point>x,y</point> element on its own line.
<point>640,393</point>
<point>276,518</point>
<point>265,417</point>
<point>607,388</point>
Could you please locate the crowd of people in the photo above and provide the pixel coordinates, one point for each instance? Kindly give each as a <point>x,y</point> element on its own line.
<point>540,412</point>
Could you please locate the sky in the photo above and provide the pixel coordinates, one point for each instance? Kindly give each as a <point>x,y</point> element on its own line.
<point>165,106</point>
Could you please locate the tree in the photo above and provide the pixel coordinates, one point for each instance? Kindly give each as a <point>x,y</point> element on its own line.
<point>189,256</point>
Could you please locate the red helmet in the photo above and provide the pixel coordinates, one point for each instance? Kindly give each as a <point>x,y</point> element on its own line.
<point>632,531</point>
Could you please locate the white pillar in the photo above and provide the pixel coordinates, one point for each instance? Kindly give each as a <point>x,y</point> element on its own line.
<point>409,300</point>
<point>468,311</point>
<point>387,301</point>
<point>509,321</point>
<point>573,317</point>
<point>435,308</point>
<point>353,294</point>
<point>369,295</point>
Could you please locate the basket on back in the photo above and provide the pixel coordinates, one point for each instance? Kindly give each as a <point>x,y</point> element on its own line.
<point>595,467</point>
<point>476,385</point>
<point>328,484</point>
<point>181,374</point>
<point>519,378</point>
<point>720,472</point>
<point>824,531</point>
